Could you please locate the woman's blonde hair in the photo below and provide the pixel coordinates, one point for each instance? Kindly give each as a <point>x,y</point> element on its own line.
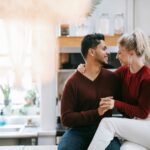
<point>138,42</point>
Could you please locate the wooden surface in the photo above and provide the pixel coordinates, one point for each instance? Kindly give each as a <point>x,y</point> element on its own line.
<point>76,41</point>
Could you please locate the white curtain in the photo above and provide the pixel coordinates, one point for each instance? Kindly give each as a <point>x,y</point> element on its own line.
<point>30,48</point>
<point>16,46</point>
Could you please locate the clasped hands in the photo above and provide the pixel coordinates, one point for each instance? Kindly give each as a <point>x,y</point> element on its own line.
<point>105,104</point>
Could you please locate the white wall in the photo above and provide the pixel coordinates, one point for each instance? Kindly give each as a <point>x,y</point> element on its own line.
<point>111,7</point>
<point>137,14</point>
<point>142,15</point>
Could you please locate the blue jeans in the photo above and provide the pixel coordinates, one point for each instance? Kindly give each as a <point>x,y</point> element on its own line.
<point>79,139</point>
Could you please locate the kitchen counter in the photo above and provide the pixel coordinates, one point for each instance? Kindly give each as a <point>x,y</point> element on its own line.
<point>53,147</point>
<point>25,135</point>
<point>24,132</point>
<point>27,132</point>
<point>18,131</point>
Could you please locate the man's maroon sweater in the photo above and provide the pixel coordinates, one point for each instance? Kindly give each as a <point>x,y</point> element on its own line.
<point>81,98</point>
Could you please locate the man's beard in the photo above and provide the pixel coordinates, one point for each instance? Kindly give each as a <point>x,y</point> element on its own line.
<point>102,63</point>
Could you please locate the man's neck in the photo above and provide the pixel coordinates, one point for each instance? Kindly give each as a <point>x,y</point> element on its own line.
<point>92,70</point>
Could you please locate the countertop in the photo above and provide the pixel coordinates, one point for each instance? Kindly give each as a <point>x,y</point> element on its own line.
<point>53,147</point>
<point>24,131</point>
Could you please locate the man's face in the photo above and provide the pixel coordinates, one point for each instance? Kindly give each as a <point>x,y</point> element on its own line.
<point>101,53</point>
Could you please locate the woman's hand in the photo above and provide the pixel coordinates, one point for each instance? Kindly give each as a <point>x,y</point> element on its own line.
<point>107,102</point>
<point>81,68</point>
<point>101,111</point>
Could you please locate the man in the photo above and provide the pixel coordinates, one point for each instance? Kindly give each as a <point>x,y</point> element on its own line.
<point>80,109</point>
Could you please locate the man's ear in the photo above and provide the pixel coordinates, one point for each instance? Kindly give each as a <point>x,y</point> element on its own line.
<point>91,52</point>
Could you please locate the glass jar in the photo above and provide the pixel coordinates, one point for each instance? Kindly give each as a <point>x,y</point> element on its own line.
<point>119,24</point>
<point>102,24</point>
<point>83,26</point>
<point>64,29</point>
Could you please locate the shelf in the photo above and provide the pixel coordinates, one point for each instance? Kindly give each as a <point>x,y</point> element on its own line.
<point>76,41</point>
<point>69,49</point>
<point>111,49</point>
<point>66,70</point>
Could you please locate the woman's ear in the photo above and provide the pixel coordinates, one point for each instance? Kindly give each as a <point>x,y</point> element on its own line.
<point>132,52</point>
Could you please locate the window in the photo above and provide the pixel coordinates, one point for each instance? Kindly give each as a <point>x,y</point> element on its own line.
<point>16,67</point>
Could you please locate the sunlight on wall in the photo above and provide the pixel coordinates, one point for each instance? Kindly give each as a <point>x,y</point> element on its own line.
<point>30,25</point>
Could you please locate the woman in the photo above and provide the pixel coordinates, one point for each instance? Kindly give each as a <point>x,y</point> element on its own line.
<point>135,102</point>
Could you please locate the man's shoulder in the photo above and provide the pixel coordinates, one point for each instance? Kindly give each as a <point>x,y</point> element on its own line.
<point>74,77</point>
<point>108,72</point>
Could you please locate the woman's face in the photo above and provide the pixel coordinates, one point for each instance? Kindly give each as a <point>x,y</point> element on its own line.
<point>123,55</point>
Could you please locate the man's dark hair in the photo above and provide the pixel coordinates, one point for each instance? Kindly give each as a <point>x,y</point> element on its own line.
<point>90,41</point>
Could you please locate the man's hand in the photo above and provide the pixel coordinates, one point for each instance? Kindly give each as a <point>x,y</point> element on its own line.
<point>101,111</point>
<point>107,102</point>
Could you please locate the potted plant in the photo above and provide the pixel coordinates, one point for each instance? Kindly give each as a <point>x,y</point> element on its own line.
<point>6,93</point>
<point>30,106</point>
<point>31,97</point>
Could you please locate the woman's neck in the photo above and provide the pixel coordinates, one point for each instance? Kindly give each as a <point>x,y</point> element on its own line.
<point>136,65</point>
